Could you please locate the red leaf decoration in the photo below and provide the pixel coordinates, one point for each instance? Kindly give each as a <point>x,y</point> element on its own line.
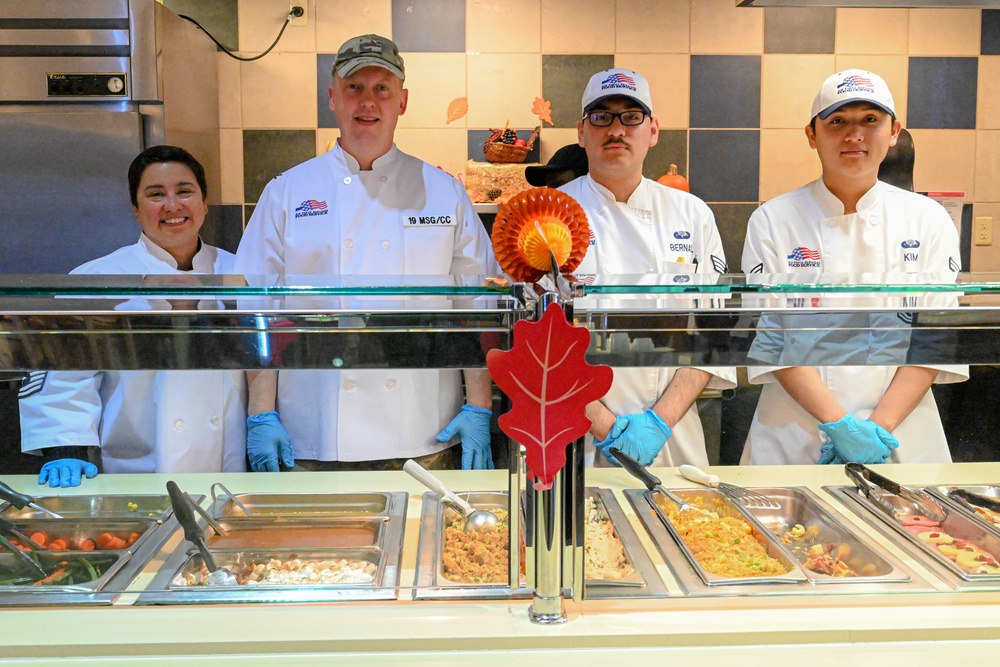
<point>550,383</point>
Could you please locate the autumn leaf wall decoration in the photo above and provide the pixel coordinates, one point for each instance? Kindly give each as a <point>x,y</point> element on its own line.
<point>549,382</point>
<point>542,108</point>
<point>457,108</point>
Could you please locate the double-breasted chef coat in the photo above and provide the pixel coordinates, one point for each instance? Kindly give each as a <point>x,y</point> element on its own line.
<point>402,217</point>
<point>142,421</point>
<point>805,231</point>
<point>658,230</point>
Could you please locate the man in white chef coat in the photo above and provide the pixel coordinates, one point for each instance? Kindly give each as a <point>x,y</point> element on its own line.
<point>358,210</point>
<point>639,226</point>
<point>848,221</point>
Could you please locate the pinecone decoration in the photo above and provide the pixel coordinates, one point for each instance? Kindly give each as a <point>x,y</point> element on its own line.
<point>493,193</point>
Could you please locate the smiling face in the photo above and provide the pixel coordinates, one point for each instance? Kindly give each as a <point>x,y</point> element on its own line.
<point>170,207</point>
<point>851,144</point>
<point>615,153</point>
<point>367,104</point>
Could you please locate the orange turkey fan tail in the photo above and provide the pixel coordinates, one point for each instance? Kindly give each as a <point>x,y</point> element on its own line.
<point>533,224</point>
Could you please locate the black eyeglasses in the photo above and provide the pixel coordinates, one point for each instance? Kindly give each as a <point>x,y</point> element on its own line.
<point>605,118</point>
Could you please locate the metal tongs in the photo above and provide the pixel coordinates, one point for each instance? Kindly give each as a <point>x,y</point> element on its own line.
<point>19,500</point>
<point>7,529</point>
<point>875,486</point>
<point>971,500</point>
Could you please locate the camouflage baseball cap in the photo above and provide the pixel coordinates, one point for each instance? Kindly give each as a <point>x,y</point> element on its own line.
<point>368,50</point>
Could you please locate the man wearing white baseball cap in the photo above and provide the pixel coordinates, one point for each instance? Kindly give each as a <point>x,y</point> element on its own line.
<point>641,227</point>
<point>845,222</point>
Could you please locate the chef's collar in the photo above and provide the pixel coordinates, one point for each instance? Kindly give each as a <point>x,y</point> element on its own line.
<point>639,200</point>
<point>833,207</point>
<point>202,262</point>
<point>380,163</point>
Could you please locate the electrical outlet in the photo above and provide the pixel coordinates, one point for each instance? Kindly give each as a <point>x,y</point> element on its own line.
<point>983,230</point>
<point>298,21</point>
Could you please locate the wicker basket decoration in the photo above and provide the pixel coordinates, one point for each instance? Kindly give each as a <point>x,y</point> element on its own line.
<point>503,146</point>
<point>532,223</point>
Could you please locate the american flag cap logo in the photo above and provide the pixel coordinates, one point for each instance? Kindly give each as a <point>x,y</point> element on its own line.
<point>849,86</point>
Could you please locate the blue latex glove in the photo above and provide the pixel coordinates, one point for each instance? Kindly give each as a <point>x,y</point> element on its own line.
<point>828,455</point>
<point>859,441</point>
<point>641,436</point>
<point>66,472</point>
<point>267,439</point>
<point>472,425</point>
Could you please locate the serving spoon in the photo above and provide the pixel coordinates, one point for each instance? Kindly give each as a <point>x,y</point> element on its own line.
<point>475,520</point>
<point>217,576</point>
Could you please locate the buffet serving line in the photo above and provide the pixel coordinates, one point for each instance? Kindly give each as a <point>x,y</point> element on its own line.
<point>936,615</point>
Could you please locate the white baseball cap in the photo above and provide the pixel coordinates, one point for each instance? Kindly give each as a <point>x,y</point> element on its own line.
<point>852,85</point>
<point>618,81</point>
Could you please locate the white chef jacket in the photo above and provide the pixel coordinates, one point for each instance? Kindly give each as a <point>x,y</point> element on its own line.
<point>659,230</point>
<point>143,421</point>
<point>893,231</point>
<point>403,217</point>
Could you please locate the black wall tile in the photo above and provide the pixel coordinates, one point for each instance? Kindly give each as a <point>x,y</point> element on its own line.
<point>220,18</point>
<point>267,153</point>
<point>324,77</point>
<point>731,220</point>
<point>799,29</point>
<point>725,165</point>
<point>430,25</point>
<point>563,81</point>
<point>223,227</point>
<point>942,93</point>
<point>671,148</point>
<point>725,91</point>
<point>991,33</point>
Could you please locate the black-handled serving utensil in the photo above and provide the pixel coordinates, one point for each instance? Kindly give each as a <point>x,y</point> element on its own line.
<point>651,481</point>
<point>20,500</point>
<point>975,499</point>
<point>217,576</point>
<point>9,530</point>
<point>871,483</point>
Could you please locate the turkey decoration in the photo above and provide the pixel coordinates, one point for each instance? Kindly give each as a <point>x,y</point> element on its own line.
<point>549,383</point>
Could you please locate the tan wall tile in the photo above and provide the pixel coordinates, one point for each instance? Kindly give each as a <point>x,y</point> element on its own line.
<point>945,161</point>
<point>988,97</point>
<point>434,80</point>
<point>720,27</point>
<point>894,69</point>
<point>231,166</point>
<point>230,114</point>
<point>786,162</point>
<point>339,20</point>
<point>945,32</point>
<point>448,149</point>
<point>325,136</point>
<point>987,165</point>
<point>986,258</point>
<point>788,85</point>
<point>502,88</point>
<point>669,77</point>
<point>578,26</point>
<point>653,26</point>
<point>260,21</point>
<point>503,26</point>
<point>883,31</point>
<point>279,91</point>
<point>554,138</point>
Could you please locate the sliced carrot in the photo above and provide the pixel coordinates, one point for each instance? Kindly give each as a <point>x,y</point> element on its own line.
<point>133,536</point>
<point>103,539</point>
<point>58,545</point>
<point>40,538</point>
<point>87,545</point>
<point>116,544</point>
<point>52,577</point>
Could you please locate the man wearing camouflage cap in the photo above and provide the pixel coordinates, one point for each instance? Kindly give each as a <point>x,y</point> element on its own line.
<point>366,208</point>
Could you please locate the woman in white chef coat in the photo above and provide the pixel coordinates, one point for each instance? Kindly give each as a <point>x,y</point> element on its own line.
<point>848,221</point>
<point>144,421</point>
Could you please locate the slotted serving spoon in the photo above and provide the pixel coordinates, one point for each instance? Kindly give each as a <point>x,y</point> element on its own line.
<point>217,576</point>
<point>475,520</point>
<point>746,497</point>
<point>653,482</point>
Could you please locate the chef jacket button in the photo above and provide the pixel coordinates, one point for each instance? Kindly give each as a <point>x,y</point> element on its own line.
<point>385,245</point>
<point>607,268</point>
<point>179,425</point>
<point>215,420</point>
<point>347,180</point>
<point>603,211</point>
<point>390,384</point>
<point>383,179</point>
<point>349,386</point>
<point>349,243</point>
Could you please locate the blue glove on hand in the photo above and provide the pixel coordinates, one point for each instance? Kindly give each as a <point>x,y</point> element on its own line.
<point>266,440</point>
<point>472,425</point>
<point>828,455</point>
<point>66,472</point>
<point>857,441</point>
<point>641,436</point>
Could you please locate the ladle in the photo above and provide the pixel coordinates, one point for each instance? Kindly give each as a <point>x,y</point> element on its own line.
<point>217,576</point>
<point>19,500</point>
<point>475,520</point>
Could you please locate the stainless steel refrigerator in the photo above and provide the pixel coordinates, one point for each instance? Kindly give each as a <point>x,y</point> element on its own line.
<point>84,87</point>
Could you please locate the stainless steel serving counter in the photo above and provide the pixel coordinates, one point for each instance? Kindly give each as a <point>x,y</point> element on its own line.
<point>820,627</point>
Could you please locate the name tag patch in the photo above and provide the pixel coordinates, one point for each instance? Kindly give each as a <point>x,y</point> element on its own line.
<point>429,221</point>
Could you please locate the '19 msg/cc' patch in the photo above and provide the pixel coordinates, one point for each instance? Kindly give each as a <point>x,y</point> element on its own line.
<point>429,221</point>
